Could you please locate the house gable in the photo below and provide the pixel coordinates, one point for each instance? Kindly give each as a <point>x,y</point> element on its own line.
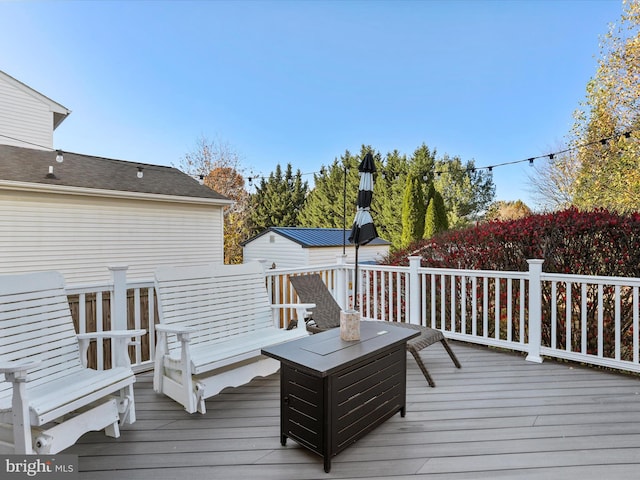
<point>27,118</point>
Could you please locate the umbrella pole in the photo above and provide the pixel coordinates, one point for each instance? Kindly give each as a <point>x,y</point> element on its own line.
<point>355,289</point>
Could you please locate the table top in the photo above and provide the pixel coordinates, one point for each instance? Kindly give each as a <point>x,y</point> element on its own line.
<point>324,353</point>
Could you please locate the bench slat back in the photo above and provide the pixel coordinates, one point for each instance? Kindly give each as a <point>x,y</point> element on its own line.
<point>36,324</point>
<point>219,300</point>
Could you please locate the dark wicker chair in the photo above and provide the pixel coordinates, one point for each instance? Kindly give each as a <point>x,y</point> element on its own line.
<point>326,315</point>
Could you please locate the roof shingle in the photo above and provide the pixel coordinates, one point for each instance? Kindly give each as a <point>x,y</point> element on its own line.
<point>19,164</point>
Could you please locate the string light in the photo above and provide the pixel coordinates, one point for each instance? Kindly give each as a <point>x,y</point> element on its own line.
<point>530,160</point>
<point>59,155</point>
<point>438,173</point>
<point>551,156</point>
<point>489,168</point>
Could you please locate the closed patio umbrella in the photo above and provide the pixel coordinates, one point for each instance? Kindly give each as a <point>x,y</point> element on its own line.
<point>363,229</point>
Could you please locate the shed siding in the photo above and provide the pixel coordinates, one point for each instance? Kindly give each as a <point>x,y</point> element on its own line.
<point>82,236</point>
<point>286,253</point>
<point>24,117</point>
<point>282,251</point>
<point>328,255</point>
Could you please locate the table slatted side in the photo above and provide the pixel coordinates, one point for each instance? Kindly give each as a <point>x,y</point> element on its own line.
<point>302,397</point>
<point>367,396</point>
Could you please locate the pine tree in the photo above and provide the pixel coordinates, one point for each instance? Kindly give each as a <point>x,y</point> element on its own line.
<point>326,203</point>
<point>278,200</point>
<point>388,193</point>
<point>413,212</point>
<point>436,218</point>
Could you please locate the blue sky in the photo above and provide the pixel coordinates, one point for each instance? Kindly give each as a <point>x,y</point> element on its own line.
<point>300,82</point>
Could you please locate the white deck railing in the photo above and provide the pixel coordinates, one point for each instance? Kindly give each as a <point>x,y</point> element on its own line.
<point>521,311</point>
<point>116,305</point>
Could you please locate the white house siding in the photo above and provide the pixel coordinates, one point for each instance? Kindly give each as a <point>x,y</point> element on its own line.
<point>24,117</point>
<point>82,236</point>
<point>282,251</point>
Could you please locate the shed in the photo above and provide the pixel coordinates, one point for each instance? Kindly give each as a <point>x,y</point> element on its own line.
<point>80,214</point>
<point>290,247</point>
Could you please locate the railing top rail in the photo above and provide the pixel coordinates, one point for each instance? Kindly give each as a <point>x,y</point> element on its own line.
<point>383,268</point>
<point>88,288</point>
<point>105,287</point>
<point>595,280</point>
<point>306,269</point>
<point>473,273</point>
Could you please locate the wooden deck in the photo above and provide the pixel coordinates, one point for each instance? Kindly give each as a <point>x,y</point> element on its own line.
<point>498,417</point>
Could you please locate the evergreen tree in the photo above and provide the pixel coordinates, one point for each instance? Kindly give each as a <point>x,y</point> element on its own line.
<point>413,211</point>
<point>278,200</point>
<point>422,166</point>
<point>326,203</point>
<point>436,218</point>
<point>388,190</point>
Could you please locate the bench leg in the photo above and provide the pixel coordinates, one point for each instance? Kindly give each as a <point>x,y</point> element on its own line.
<point>126,405</point>
<point>420,363</point>
<point>200,388</point>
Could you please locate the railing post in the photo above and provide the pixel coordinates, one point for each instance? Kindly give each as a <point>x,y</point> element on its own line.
<point>341,282</point>
<point>414,290</point>
<point>535,310</point>
<point>119,300</point>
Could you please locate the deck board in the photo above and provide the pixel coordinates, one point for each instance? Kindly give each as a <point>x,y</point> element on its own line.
<point>498,417</point>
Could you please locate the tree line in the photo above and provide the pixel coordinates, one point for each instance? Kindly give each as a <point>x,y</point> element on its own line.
<point>415,196</point>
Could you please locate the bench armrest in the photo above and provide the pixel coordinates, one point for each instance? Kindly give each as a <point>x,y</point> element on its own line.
<point>175,329</point>
<point>112,334</point>
<point>120,338</point>
<point>17,370</point>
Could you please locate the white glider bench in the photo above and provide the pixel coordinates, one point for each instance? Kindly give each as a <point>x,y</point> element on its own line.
<point>48,397</point>
<point>214,322</point>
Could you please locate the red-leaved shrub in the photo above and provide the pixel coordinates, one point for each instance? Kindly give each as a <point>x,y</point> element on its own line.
<point>596,243</point>
<point>571,241</point>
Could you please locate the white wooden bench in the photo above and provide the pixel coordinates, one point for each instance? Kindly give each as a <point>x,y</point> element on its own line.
<point>214,321</point>
<point>48,398</point>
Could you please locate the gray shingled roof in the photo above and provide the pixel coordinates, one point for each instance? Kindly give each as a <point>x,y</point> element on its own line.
<point>314,237</point>
<point>19,164</point>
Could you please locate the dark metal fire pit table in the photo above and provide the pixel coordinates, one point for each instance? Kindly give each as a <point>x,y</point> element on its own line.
<point>333,392</point>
